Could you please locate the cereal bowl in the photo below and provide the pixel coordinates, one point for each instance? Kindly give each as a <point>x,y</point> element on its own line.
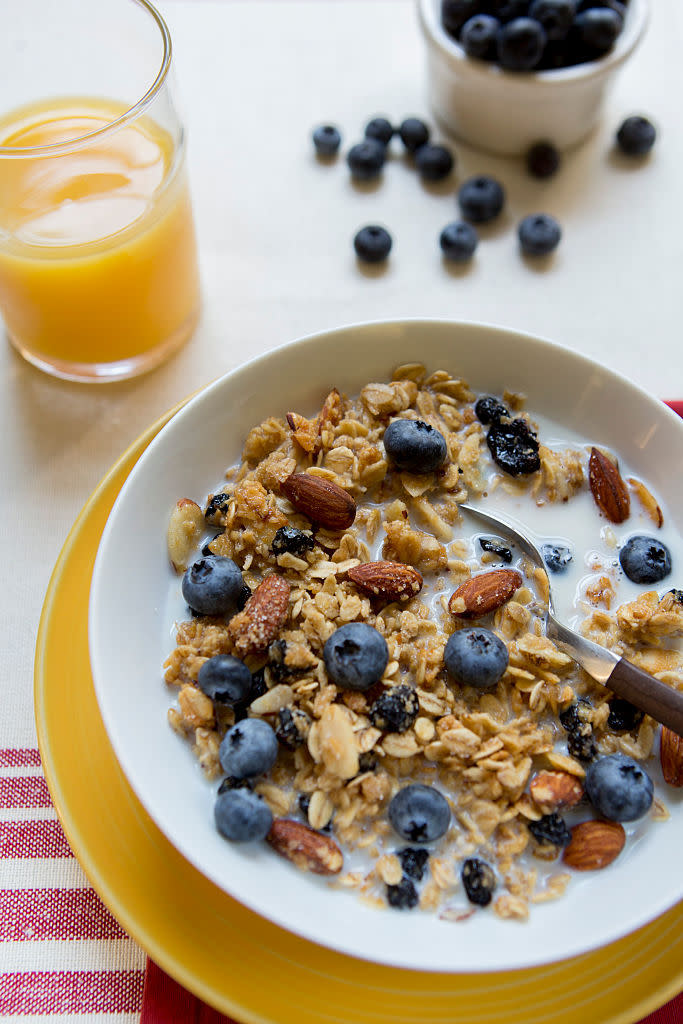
<point>506,112</point>
<point>136,604</point>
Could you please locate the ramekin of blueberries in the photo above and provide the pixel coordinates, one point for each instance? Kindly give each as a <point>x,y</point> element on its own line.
<point>504,73</point>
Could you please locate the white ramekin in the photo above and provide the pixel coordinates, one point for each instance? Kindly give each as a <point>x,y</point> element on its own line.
<point>504,111</point>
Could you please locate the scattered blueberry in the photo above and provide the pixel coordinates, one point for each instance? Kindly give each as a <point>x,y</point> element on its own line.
<point>619,788</point>
<point>415,446</point>
<point>295,542</point>
<point>458,241</point>
<point>636,136</point>
<point>514,447</point>
<point>419,813</point>
<point>539,234</point>
<point>355,656</point>
<point>395,710</point>
<point>481,199</point>
<point>542,160</point>
<point>489,410</point>
<point>326,139</point>
<point>556,556</point>
<point>478,881</point>
<point>434,163</point>
<point>248,749</point>
<point>242,816</point>
<point>381,129</point>
<point>225,679</point>
<point>551,828</point>
<point>212,585</point>
<point>623,716</point>
<point>372,243</point>
<point>216,508</point>
<point>454,14</point>
<point>413,861</point>
<point>598,28</point>
<point>645,559</point>
<point>402,896</point>
<point>475,657</point>
<point>520,44</point>
<point>414,133</point>
<point>500,550</point>
<point>366,159</point>
<point>506,10</point>
<point>478,37</point>
<point>556,16</point>
<point>292,728</point>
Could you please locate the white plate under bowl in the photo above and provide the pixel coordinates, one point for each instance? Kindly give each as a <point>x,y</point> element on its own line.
<point>134,592</point>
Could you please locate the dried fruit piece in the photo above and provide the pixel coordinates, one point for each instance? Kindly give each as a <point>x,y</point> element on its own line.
<point>305,848</point>
<point>393,580</point>
<point>257,625</point>
<point>648,501</point>
<point>607,487</point>
<point>322,501</point>
<point>553,791</point>
<point>484,593</point>
<point>671,757</point>
<point>185,528</point>
<point>594,845</point>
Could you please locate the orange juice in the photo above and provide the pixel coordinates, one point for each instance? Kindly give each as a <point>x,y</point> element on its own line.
<point>98,261</point>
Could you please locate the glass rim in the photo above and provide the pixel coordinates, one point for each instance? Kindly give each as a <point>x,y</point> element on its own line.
<point>79,141</point>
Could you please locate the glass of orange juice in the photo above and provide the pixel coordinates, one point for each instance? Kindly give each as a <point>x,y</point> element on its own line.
<point>98,261</point>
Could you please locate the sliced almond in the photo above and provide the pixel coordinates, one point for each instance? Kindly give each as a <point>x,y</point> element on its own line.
<point>648,501</point>
<point>185,527</point>
<point>594,845</point>
<point>337,743</point>
<point>305,848</point>
<point>262,617</point>
<point>553,791</point>
<point>607,487</point>
<point>482,594</point>
<point>322,501</point>
<point>393,580</point>
<point>671,757</point>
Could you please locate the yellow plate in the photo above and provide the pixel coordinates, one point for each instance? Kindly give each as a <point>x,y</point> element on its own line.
<point>232,958</point>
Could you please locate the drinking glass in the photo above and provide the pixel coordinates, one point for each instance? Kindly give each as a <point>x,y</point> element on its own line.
<point>98,261</point>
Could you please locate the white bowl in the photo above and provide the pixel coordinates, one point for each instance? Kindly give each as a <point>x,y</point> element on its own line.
<point>135,597</point>
<point>506,112</point>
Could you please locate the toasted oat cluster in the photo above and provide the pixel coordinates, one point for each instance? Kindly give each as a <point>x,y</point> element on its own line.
<point>328,530</point>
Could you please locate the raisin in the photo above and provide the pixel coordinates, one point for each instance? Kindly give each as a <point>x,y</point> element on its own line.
<point>489,410</point>
<point>551,828</point>
<point>495,548</point>
<point>230,782</point>
<point>413,861</point>
<point>292,727</point>
<point>367,762</point>
<point>243,597</point>
<point>295,542</point>
<point>581,745</point>
<point>402,896</point>
<point>514,447</point>
<point>217,508</point>
<point>576,716</point>
<point>677,595</point>
<point>623,716</point>
<point>479,881</point>
<point>304,803</point>
<point>277,653</point>
<point>395,710</point>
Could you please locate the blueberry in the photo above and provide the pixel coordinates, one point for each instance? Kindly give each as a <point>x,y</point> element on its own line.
<point>413,861</point>
<point>419,813</point>
<point>551,828</point>
<point>414,133</point>
<point>326,139</point>
<point>402,896</point>
<point>478,881</point>
<point>212,585</point>
<point>556,556</point>
<point>454,14</point>
<point>242,816</point>
<point>598,28</point>
<point>645,559</point>
<point>500,550</point>
<point>475,657</point>
<point>248,749</point>
<point>636,136</point>
<point>225,679</point>
<point>288,539</point>
<point>539,234</point>
<point>489,410</point>
<point>619,788</point>
<point>434,162</point>
<point>514,447</point>
<point>355,656</point>
<point>216,509</point>
<point>458,241</point>
<point>520,44</point>
<point>556,16</point>
<point>623,716</point>
<point>395,710</point>
<point>481,199</point>
<point>415,446</point>
<point>478,37</point>
<point>542,159</point>
<point>372,243</point>
<point>506,10</point>
<point>366,159</point>
<point>381,129</point>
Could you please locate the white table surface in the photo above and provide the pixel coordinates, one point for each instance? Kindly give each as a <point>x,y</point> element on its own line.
<point>275,229</point>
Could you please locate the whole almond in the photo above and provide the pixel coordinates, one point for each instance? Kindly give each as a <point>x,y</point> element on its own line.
<point>671,757</point>
<point>484,593</point>
<point>607,487</point>
<point>322,501</point>
<point>394,580</point>
<point>553,791</point>
<point>594,845</point>
<point>304,847</point>
<point>262,617</point>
